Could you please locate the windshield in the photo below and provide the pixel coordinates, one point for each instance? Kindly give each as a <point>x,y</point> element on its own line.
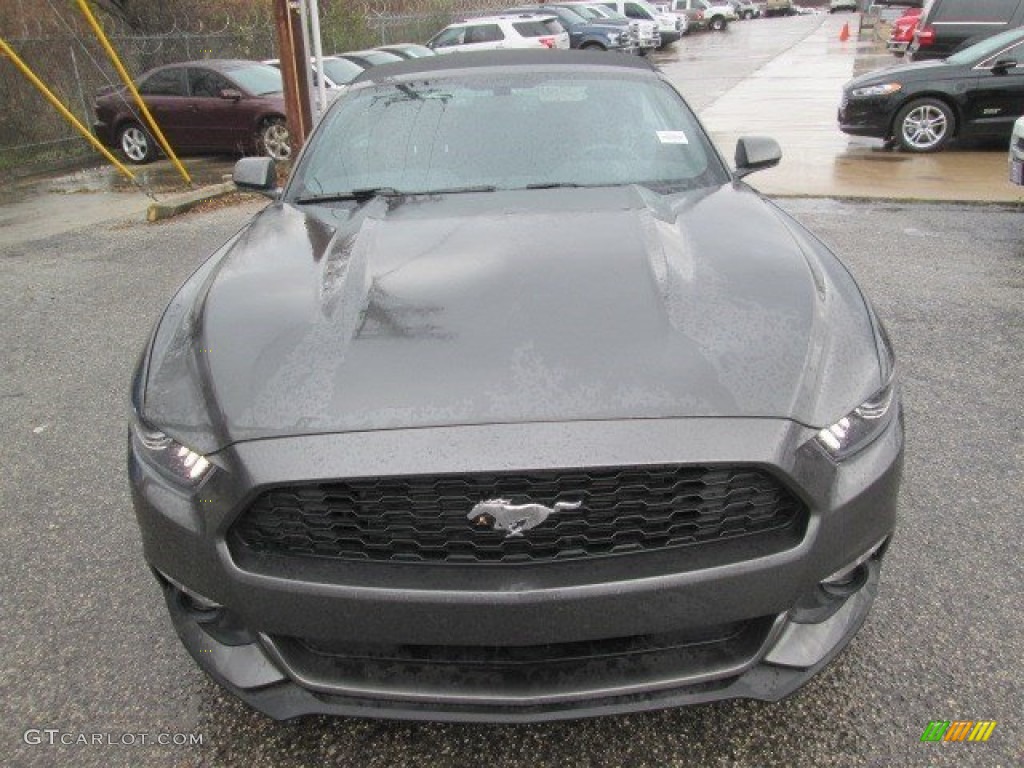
<point>586,13</point>
<point>508,131</point>
<point>375,58</point>
<point>570,16</point>
<point>987,47</point>
<point>257,79</point>
<point>342,71</point>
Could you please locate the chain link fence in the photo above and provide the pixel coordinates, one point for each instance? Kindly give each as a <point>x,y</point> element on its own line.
<point>395,22</point>
<point>63,53</point>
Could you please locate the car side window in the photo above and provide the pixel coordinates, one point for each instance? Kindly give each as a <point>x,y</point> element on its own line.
<point>991,11</point>
<point>166,82</point>
<point>453,36</point>
<point>634,11</point>
<point>484,33</point>
<point>1016,53</point>
<point>207,83</point>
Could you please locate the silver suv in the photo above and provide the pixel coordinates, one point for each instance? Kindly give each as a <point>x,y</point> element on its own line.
<point>488,33</point>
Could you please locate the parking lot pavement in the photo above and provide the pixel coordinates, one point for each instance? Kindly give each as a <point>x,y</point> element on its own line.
<point>48,204</point>
<point>794,96</point>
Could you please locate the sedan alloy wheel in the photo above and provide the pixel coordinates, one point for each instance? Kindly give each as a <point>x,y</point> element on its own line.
<point>925,125</point>
<point>275,139</point>
<point>136,144</point>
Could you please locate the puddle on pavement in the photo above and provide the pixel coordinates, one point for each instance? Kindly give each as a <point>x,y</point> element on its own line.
<point>160,177</point>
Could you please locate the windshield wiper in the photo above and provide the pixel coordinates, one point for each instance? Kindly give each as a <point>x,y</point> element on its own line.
<point>356,194</point>
<point>458,190</point>
<point>553,185</point>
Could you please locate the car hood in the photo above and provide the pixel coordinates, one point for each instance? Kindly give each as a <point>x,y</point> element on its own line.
<point>521,306</point>
<point>936,69</point>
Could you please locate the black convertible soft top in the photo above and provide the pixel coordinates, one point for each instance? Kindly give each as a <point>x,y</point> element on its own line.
<point>518,58</point>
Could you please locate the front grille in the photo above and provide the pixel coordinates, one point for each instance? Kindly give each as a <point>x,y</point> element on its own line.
<point>424,518</point>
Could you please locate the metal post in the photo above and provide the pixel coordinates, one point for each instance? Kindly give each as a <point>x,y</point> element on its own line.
<point>112,54</point>
<point>308,70</point>
<point>64,111</point>
<point>301,66</point>
<point>318,52</point>
<point>78,82</point>
<point>297,122</point>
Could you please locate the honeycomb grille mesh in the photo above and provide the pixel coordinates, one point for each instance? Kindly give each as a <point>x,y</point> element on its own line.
<point>424,518</point>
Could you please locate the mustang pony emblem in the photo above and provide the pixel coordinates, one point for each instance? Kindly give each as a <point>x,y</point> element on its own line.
<point>502,515</point>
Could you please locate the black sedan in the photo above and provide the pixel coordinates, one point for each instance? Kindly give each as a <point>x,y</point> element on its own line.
<point>978,92</point>
<point>496,413</point>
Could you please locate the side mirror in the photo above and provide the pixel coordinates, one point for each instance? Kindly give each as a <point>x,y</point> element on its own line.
<point>755,153</point>
<point>1002,66</point>
<point>256,174</point>
<point>231,93</point>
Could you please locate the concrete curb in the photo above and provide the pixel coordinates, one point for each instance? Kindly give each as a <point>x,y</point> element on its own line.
<point>1008,205</point>
<point>186,201</point>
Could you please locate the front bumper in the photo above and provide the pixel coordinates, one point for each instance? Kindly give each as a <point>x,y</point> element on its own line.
<point>870,116</point>
<point>105,133</point>
<point>669,36</point>
<point>599,636</point>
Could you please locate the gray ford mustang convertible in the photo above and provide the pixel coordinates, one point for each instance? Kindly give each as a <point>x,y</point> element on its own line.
<point>515,404</point>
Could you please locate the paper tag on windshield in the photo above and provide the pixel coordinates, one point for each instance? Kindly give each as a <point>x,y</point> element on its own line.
<point>672,137</point>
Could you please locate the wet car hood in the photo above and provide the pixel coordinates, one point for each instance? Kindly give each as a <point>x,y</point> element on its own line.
<point>550,305</point>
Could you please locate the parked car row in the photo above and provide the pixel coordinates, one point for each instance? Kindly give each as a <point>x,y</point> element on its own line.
<point>571,24</point>
<point>633,26</point>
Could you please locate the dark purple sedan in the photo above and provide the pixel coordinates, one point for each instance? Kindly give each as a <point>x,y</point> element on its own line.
<point>201,106</point>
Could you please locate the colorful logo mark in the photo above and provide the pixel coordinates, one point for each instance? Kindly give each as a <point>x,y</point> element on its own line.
<point>958,730</point>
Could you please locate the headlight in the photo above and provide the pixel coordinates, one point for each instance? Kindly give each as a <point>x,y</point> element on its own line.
<point>178,461</point>
<point>613,38</point>
<point>860,426</point>
<point>877,90</point>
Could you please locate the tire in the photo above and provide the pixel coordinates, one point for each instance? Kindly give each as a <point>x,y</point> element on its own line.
<point>136,144</point>
<point>748,15</point>
<point>924,125</point>
<point>718,24</point>
<point>274,140</point>
<point>592,47</point>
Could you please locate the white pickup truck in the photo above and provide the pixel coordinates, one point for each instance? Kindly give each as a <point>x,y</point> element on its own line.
<point>779,8</point>
<point>704,14</point>
<point>670,25</point>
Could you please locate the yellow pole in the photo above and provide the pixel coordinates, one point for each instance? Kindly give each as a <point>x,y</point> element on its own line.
<point>131,87</point>
<point>9,52</point>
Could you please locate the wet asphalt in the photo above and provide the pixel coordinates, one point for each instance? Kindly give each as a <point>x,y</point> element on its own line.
<point>87,647</point>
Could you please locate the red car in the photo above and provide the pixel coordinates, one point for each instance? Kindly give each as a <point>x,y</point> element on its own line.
<point>903,31</point>
<point>201,106</point>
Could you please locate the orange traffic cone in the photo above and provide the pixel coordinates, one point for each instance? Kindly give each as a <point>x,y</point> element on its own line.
<point>844,34</point>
